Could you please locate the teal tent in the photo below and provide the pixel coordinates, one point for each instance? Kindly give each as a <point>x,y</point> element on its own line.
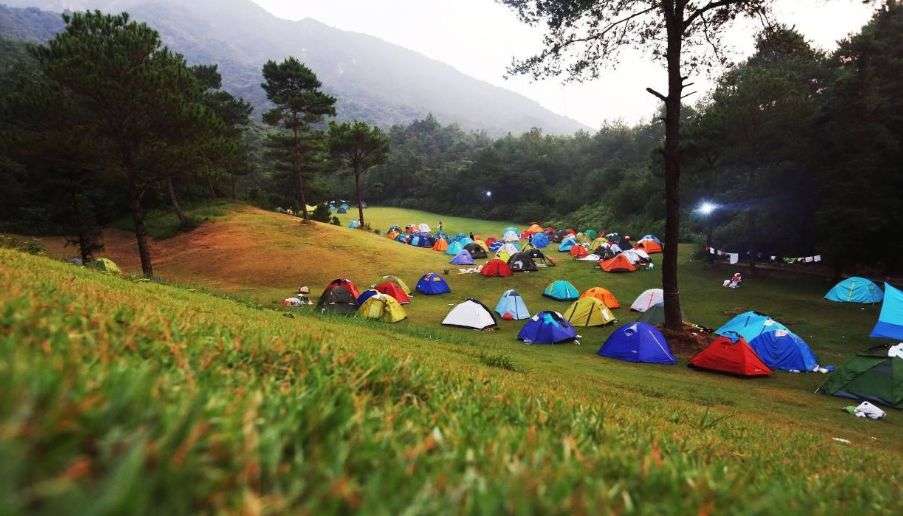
<point>890,321</point>
<point>561,290</point>
<point>855,290</point>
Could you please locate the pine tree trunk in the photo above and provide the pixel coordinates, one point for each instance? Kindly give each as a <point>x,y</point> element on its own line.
<point>672,171</point>
<point>85,243</point>
<point>297,155</point>
<point>183,219</point>
<point>357,191</point>
<point>147,267</point>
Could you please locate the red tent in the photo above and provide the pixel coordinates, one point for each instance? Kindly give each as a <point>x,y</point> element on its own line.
<point>343,284</point>
<point>390,288</point>
<point>578,251</point>
<point>619,263</point>
<point>731,357</point>
<point>495,268</point>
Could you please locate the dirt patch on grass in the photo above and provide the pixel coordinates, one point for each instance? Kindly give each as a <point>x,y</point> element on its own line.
<point>689,340</point>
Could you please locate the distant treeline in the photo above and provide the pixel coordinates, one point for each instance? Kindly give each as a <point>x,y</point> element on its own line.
<point>801,151</point>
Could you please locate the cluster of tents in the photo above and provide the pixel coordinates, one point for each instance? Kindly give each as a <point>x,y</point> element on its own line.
<point>612,252</point>
<point>384,301</point>
<point>875,374</point>
<point>749,345</point>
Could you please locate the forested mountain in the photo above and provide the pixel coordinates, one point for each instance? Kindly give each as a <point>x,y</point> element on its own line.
<point>374,80</point>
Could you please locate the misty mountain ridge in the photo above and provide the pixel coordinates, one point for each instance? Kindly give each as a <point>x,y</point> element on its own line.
<point>375,81</point>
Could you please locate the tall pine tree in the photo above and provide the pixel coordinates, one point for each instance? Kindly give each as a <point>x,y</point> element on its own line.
<point>299,104</point>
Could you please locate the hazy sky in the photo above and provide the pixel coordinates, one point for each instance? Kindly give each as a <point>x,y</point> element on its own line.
<point>480,37</point>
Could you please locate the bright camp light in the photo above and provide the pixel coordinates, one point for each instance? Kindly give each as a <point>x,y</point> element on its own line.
<point>706,208</point>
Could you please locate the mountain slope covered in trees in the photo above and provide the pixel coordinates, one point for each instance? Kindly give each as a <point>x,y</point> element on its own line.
<point>375,81</point>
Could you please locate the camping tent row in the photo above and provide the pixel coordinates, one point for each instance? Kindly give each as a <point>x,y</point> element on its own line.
<point>342,296</point>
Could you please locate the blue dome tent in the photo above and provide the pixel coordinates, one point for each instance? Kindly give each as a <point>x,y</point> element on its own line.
<point>432,284</point>
<point>638,342</point>
<point>784,350</point>
<point>567,244</point>
<point>561,290</point>
<point>750,325</point>
<point>547,328</point>
<point>855,290</point>
<point>540,240</point>
<point>365,295</point>
<point>454,248</point>
<point>890,320</point>
<point>462,258</point>
<point>511,306</point>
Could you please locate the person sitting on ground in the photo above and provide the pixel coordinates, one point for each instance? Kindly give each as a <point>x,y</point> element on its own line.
<point>303,295</point>
<point>734,282</point>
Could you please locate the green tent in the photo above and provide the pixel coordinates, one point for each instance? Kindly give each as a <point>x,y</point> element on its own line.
<point>870,377</point>
<point>105,265</point>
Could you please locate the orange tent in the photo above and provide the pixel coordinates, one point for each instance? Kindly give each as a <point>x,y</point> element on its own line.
<point>578,251</point>
<point>603,295</point>
<point>441,245</point>
<point>619,263</point>
<point>532,230</point>
<point>650,246</point>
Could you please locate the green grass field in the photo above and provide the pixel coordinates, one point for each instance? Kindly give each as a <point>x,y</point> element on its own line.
<point>222,405</point>
<point>381,218</point>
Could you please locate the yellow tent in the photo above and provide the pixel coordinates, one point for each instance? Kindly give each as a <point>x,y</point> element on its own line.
<point>310,209</point>
<point>588,311</point>
<point>382,307</point>
<point>598,243</point>
<point>503,256</point>
<point>105,265</point>
<point>397,281</point>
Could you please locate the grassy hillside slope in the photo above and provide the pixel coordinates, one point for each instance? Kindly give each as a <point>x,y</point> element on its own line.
<point>263,256</point>
<point>132,395</point>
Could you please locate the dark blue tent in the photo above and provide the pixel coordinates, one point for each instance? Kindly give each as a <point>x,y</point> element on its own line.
<point>638,342</point>
<point>783,349</point>
<point>547,328</point>
<point>424,240</point>
<point>432,284</point>
<point>365,295</point>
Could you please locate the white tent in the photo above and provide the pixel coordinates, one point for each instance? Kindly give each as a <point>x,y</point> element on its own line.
<point>508,248</point>
<point>423,228</point>
<point>470,314</point>
<point>635,255</point>
<point>648,299</point>
<point>510,236</point>
<point>590,258</point>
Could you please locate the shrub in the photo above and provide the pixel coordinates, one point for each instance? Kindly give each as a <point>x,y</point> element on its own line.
<point>26,245</point>
<point>321,214</point>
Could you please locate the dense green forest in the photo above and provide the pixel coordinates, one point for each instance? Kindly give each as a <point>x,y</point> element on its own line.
<point>799,149</point>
